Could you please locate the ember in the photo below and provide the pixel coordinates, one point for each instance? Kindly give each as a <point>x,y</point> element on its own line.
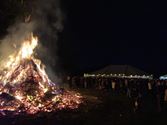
<point>25,86</point>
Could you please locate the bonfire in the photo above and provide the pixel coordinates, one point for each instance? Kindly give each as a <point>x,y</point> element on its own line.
<point>26,88</point>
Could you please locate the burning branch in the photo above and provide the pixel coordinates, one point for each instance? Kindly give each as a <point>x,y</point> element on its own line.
<point>26,87</point>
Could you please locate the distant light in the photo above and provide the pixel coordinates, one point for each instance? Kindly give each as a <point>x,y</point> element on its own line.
<point>163,78</point>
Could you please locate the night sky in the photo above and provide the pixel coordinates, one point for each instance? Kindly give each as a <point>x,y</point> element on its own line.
<point>98,33</point>
<point>101,32</point>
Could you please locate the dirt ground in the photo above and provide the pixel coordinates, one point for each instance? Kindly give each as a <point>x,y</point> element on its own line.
<point>99,108</point>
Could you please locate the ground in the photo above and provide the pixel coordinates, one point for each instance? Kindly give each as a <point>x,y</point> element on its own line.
<point>100,107</point>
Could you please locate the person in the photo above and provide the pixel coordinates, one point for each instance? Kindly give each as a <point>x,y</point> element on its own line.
<point>149,86</point>
<point>73,82</point>
<point>126,82</point>
<point>158,96</point>
<point>165,96</point>
<point>128,92</point>
<point>113,85</point>
<point>85,83</point>
<point>135,105</point>
<point>69,81</point>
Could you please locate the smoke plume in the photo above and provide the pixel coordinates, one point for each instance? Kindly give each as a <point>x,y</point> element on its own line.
<point>44,19</point>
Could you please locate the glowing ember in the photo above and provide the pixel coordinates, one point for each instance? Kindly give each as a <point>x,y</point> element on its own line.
<point>25,86</point>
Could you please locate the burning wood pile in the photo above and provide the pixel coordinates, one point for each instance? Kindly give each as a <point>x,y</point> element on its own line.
<point>26,88</point>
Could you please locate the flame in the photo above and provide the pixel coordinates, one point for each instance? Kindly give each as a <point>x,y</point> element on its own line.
<point>25,53</point>
<point>28,47</point>
<point>24,78</point>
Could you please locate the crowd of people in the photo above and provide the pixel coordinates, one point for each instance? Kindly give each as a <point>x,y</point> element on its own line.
<point>135,89</point>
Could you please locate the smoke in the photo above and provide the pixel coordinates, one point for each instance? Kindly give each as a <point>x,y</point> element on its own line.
<point>13,40</point>
<point>49,21</point>
<point>46,22</point>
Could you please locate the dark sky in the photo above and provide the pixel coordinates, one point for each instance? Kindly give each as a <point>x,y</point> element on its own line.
<point>102,32</point>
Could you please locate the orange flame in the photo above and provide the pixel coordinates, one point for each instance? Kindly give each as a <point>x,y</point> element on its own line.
<point>21,66</point>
